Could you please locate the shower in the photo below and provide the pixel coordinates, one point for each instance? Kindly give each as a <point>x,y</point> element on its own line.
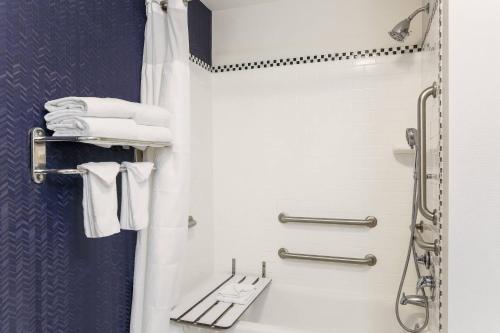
<point>402,29</point>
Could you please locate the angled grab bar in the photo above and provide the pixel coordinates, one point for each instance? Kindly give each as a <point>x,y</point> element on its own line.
<point>368,260</point>
<point>422,136</point>
<point>370,221</point>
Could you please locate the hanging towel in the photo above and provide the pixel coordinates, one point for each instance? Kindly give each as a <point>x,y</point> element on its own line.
<point>110,128</point>
<point>135,195</point>
<point>100,206</point>
<point>143,114</point>
<point>236,293</point>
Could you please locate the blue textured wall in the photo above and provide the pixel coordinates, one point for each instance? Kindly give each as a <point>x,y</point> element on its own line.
<point>200,31</point>
<point>52,278</point>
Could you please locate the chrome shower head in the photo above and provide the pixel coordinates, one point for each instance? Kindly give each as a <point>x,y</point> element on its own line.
<point>402,29</point>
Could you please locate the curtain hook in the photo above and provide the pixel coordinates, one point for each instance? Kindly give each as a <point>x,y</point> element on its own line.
<point>164,5</point>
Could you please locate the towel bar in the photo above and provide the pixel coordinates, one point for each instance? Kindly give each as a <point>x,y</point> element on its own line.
<point>38,142</point>
<point>369,259</point>
<point>370,221</point>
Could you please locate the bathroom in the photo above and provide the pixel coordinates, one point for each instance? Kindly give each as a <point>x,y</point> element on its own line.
<point>321,166</point>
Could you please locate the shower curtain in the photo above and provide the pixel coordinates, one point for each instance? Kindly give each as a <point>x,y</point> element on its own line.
<point>160,247</point>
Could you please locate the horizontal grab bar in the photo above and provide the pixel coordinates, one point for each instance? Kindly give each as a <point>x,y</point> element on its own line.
<point>427,246</point>
<point>368,260</point>
<point>370,221</point>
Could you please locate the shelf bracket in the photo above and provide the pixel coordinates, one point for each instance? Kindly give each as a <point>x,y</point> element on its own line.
<point>38,154</point>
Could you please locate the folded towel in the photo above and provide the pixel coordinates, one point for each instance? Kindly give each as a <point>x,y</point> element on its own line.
<point>143,114</point>
<point>135,195</point>
<point>110,128</point>
<point>100,204</point>
<point>237,293</point>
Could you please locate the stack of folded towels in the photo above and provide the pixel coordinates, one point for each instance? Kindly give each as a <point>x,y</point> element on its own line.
<point>236,293</point>
<point>107,118</point>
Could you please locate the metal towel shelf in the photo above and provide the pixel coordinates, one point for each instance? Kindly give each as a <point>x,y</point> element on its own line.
<point>369,222</point>
<point>39,151</point>
<point>368,260</point>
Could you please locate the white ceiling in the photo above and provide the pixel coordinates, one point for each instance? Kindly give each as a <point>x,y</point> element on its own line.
<point>227,4</point>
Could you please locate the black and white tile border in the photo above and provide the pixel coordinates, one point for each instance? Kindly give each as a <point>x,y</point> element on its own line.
<point>306,59</point>
<point>194,59</point>
<point>317,58</point>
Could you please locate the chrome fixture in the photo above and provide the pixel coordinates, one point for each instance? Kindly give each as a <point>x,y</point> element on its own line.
<point>402,29</point>
<point>401,298</point>
<point>426,246</point>
<point>368,260</point>
<point>425,260</point>
<point>426,282</point>
<point>369,222</point>
<point>422,136</point>
<point>191,222</point>
<point>39,141</point>
<point>413,300</point>
<point>411,137</point>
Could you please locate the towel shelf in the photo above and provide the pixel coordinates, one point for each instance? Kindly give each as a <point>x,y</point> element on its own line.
<point>38,142</point>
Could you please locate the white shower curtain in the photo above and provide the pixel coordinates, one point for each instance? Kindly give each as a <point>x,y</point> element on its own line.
<point>160,248</point>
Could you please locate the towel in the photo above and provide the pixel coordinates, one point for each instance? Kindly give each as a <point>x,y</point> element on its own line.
<point>236,293</point>
<point>100,206</point>
<point>135,195</point>
<point>142,114</point>
<point>110,128</point>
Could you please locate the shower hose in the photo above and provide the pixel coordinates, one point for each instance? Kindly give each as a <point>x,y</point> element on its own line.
<point>411,250</point>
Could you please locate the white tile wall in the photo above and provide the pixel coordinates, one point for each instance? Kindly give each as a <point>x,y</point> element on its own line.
<point>286,28</point>
<point>199,261</point>
<point>315,140</point>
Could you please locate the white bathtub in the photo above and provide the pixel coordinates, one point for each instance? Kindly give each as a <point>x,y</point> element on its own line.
<point>292,309</point>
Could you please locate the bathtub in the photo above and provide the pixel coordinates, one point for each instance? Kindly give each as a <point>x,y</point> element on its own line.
<point>293,309</point>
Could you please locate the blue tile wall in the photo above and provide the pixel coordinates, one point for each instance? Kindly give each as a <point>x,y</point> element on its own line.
<point>200,31</point>
<point>52,278</point>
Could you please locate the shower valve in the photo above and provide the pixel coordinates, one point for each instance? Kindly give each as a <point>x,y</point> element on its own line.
<point>426,282</point>
<point>425,259</point>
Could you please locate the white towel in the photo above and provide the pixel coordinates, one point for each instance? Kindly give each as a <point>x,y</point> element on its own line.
<point>237,293</point>
<point>135,195</point>
<point>100,206</point>
<point>110,128</point>
<point>143,114</point>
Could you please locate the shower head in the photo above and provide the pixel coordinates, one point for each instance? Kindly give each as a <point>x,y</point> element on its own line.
<point>402,29</point>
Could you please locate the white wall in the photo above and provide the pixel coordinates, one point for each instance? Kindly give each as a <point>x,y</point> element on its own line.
<point>474,161</point>
<point>297,27</point>
<point>199,261</point>
<point>315,140</point>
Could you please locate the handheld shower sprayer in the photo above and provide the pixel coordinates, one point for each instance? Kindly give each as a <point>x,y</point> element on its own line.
<point>402,29</point>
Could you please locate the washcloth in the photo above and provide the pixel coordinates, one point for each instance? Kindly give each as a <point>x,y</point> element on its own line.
<point>135,195</point>
<point>110,128</point>
<point>100,206</point>
<point>142,114</point>
<point>236,293</point>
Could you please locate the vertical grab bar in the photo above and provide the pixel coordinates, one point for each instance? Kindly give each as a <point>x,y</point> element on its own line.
<point>422,136</point>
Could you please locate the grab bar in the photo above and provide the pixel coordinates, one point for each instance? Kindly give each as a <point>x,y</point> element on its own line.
<point>370,221</point>
<point>422,135</point>
<point>368,260</point>
<point>426,246</point>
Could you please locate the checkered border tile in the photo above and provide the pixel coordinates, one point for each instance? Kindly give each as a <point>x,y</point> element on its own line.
<point>317,58</point>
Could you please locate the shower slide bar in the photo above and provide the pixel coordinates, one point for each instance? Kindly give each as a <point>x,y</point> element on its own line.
<point>370,221</point>
<point>368,260</point>
<point>422,139</point>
